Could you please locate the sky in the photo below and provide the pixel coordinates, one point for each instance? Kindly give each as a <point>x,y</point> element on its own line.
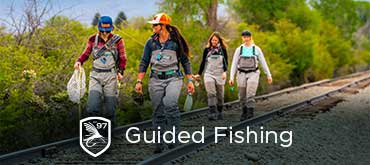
<point>84,10</point>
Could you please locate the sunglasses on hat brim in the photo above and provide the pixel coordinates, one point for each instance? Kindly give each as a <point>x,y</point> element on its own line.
<point>154,25</point>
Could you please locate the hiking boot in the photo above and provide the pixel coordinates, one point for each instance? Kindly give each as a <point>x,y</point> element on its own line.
<point>250,113</point>
<point>244,113</point>
<point>212,113</point>
<point>220,115</point>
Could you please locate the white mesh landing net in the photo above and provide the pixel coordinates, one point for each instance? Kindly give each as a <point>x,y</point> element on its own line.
<point>76,87</point>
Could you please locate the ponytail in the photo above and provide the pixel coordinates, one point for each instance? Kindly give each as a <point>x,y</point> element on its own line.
<point>179,39</point>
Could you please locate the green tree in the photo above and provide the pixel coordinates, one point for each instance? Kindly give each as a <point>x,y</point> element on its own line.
<point>304,17</point>
<point>262,12</point>
<point>184,11</point>
<point>340,13</point>
<point>300,45</point>
<point>266,12</point>
<point>95,20</point>
<point>363,10</point>
<point>121,19</point>
<point>362,35</point>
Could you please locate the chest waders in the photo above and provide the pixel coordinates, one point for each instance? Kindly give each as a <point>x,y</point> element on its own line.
<point>247,79</point>
<point>214,84</point>
<point>103,83</point>
<point>164,89</point>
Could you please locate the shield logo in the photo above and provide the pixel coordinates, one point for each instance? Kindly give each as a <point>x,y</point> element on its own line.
<point>95,135</point>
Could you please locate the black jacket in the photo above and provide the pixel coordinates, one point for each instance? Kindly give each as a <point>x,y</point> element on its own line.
<point>204,60</point>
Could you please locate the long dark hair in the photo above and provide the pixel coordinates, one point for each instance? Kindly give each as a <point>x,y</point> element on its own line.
<point>221,40</point>
<point>179,39</point>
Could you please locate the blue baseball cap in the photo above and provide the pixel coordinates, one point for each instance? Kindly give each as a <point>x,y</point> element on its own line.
<point>105,23</point>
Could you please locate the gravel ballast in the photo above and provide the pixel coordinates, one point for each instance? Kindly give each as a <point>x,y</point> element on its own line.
<point>340,135</point>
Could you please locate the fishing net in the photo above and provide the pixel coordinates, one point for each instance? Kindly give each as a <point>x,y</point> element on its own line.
<point>76,87</point>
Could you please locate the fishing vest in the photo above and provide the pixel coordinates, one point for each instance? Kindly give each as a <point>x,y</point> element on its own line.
<point>163,60</point>
<point>247,60</point>
<point>214,63</point>
<point>105,57</point>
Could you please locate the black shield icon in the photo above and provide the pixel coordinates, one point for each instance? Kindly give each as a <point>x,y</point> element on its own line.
<point>95,135</point>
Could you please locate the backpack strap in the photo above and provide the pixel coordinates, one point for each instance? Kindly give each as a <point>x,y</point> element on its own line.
<point>153,45</point>
<point>107,46</point>
<point>253,50</point>
<point>154,37</point>
<point>241,50</point>
<point>96,41</point>
<point>114,40</point>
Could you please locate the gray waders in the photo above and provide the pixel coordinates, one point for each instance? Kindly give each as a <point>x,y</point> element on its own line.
<point>164,89</point>
<point>247,79</point>
<point>103,85</point>
<point>214,86</point>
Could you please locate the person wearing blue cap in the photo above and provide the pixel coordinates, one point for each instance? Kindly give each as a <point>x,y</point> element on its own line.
<point>109,62</point>
<point>246,59</point>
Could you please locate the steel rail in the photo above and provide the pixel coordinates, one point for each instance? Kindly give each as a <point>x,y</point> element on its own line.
<point>184,150</point>
<point>42,150</point>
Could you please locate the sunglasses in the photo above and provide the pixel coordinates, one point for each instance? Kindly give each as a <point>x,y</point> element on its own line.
<point>154,25</point>
<point>105,31</point>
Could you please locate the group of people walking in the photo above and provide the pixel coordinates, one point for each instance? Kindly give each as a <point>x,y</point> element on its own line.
<point>164,52</point>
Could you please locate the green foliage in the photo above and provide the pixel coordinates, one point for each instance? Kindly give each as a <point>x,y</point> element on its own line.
<point>262,12</point>
<point>340,13</point>
<point>363,11</point>
<point>300,44</point>
<point>186,10</point>
<point>202,11</point>
<point>301,15</point>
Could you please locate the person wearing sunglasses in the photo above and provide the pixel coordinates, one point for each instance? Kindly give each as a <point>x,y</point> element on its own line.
<point>164,51</point>
<point>109,62</point>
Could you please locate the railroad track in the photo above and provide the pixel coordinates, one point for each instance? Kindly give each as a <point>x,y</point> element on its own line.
<point>180,154</point>
<point>225,152</point>
<point>122,152</point>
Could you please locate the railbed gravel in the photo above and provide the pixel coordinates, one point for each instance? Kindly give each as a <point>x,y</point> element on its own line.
<point>128,153</point>
<point>339,136</point>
